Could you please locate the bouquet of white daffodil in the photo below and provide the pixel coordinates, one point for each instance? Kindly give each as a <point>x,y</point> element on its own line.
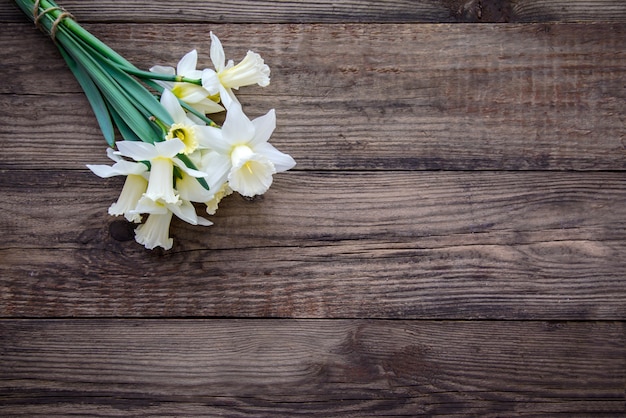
<point>171,153</point>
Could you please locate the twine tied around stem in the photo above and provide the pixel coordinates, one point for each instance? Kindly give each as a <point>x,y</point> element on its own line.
<point>37,16</point>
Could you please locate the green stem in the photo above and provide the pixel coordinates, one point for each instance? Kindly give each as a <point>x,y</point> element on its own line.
<point>103,48</point>
<point>86,36</point>
<point>165,77</point>
<point>74,27</point>
<point>162,125</point>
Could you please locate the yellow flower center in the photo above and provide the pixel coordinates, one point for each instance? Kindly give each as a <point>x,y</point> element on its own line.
<point>187,134</point>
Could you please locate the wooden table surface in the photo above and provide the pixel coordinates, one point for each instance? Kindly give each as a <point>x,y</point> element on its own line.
<point>451,242</point>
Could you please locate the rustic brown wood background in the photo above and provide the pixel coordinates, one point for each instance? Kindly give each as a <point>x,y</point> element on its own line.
<point>452,241</point>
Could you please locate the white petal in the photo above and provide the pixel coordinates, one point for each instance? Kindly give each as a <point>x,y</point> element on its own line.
<point>103,171</point>
<point>192,93</point>
<point>138,151</point>
<point>129,167</point>
<point>112,154</point>
<point>187,63</point>
<point>146,205</point>
<point>195,74</point>
<point>189,188</point>
<point>217,53</point>
<point>207,107</point>
<point>121,168</point>
<point>217,165</point>
<point>169,148</point>
<point>228,98</point>
<point>281,161</point>
<point>263,127</point>
<point>161,69</point>
<point>194,173</point>
<point>237,127</point>
<point>171,104</point>
<point>204,222</point>
<point>211,137</point>
<point>210,81</point>
<point>185,211</point>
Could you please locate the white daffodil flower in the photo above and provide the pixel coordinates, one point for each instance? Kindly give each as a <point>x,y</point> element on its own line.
<point>134,186</point>
<point>162,158</point>
<point>242,154</point>
<point>155,231</point>
<point>193,135</point>
<point>228,76</point>
<point>196,96</point>
<point>212,204</point>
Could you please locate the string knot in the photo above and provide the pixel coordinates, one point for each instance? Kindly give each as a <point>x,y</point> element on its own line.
<point>38,15</point>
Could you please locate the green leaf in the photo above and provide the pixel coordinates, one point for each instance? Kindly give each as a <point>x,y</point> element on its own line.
<point>142,97</point>
<point>125,131</point>
<point>110,89</point>
<point>94,96</point>
<point>78,31</point>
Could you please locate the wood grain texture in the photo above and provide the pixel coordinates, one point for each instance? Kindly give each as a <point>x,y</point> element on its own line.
<point>311,368</point>
<point>566,10</point>
<point>457,186</point>
<point>353,97</point>
<point>339,11</point>
<point>321,244</point>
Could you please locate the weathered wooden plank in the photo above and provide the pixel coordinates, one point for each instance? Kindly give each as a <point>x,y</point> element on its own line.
<point>339,243</point>
<point>566,10</point>
<point>339,11</point>
<point>408,97</point>
<point>322,207</point>
<point>311,368</point>
<point>382,244</point>
<point>246,11</point>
